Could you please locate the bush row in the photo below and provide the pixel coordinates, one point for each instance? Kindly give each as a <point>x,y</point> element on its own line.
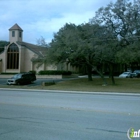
<point>8,73</point>
<point>54,72</point>
<point>12,73</point>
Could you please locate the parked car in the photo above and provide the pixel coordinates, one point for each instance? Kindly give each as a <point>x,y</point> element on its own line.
<point>134,75</point>
<point>137,72</point>
<point>22,78</point>
<point>125,75</point>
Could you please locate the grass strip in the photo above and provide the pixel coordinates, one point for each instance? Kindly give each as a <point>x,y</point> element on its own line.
<point>82,84</point>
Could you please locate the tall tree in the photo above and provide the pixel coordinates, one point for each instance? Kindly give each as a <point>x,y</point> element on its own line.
<point>2,45</point>
<point>121,19</point>
<point>41,42</point>
<point>77,45</point>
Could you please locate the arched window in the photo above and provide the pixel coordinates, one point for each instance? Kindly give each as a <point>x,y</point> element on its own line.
<point>13,57</point>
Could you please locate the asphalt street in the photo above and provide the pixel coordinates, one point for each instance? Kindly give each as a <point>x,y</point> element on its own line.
<point>46,115</point>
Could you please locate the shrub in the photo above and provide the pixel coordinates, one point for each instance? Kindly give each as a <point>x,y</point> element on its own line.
<point>8,73</point>
<point>33,71</point>
<point>54,72</point>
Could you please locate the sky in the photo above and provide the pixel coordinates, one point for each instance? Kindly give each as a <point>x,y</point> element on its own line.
<point>43,18</point>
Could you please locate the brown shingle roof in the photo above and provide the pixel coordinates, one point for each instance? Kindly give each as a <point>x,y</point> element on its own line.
<point>40,51</point>
<point>15,27</point>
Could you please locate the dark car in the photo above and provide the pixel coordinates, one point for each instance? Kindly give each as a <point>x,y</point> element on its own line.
<point>134,75</point>
<point>137,73</point>
<point>22,78</point>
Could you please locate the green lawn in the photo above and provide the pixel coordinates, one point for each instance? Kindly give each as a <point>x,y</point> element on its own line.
<point>122,85</point>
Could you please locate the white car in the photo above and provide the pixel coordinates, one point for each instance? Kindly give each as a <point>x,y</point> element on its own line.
<point>125,75</point>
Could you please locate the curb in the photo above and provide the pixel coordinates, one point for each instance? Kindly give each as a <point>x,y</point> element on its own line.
<point>73,92</point>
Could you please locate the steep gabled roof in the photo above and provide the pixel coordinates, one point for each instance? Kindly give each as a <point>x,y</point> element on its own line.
<point>15,27</point>
<point>40,51</point>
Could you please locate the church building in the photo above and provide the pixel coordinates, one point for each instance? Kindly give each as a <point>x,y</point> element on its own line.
<point>19,56</point>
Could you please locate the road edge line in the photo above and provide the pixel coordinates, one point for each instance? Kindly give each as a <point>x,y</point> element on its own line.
<point>73,92</point>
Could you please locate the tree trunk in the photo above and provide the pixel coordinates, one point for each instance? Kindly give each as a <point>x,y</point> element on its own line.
<point>102,76</point>
<point>89,70</point>
<point>112,73</point>
<point>113,80</point>
<point>125,67</point>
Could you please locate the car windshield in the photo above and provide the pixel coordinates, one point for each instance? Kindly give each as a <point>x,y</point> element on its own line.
<point>126,73</point>
<point>17,76</point>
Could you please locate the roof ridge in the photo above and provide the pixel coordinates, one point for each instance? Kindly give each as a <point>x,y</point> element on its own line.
<point>16,27</point>
<point>36,49</point>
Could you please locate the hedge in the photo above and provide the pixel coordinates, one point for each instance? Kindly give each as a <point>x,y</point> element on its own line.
<point>8,73</point>
<point>54,72</point>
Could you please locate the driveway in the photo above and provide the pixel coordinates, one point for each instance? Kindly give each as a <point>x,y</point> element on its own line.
<point>37,82</point>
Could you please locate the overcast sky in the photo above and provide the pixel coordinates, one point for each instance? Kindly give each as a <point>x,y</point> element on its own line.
<point>44,17</point>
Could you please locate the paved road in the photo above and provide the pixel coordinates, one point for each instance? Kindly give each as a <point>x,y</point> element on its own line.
<point>28,115</point>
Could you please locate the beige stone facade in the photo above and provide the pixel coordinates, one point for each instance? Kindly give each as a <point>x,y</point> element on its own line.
<point>19,56</point>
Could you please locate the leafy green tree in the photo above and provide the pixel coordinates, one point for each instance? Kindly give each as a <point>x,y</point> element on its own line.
<point>121,19</point>
<point>41,42</point>
<point>130,55</point>
<point>2,44</point>
<point>99,42</point>
<point>78,45</point>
